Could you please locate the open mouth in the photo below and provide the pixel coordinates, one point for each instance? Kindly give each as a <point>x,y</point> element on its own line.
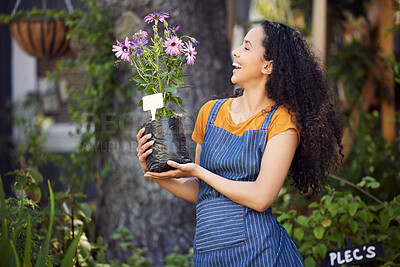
<point>236,65</point>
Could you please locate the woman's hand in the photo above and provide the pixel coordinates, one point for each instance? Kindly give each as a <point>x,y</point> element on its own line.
<point>143,150</point>
<point>182,170</point>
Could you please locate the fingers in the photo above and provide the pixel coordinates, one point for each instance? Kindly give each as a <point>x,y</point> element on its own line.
<point>143,145</point>
<point>140,133</point>
<point>172,163</point>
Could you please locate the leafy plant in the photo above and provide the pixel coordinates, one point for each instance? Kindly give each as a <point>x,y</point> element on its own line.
<point>158,71</point>
<point>342,214</point>
<point>12,233</point>
<point>36,12</point>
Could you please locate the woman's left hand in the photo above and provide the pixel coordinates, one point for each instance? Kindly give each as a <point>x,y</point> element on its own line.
<point>182,170</point>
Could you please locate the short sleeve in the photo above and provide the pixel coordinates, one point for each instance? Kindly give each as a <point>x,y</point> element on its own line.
<point>201,122</point>
<point>282,121</point>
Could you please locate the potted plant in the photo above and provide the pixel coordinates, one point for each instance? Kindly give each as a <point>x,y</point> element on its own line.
<point>158,62</point>
<point>40,32</point>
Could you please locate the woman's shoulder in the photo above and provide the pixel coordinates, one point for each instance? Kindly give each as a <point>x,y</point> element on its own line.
<point>206,108</point>
<point>283,112</point>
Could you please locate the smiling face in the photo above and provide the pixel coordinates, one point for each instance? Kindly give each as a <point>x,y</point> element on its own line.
<point>251,69</point>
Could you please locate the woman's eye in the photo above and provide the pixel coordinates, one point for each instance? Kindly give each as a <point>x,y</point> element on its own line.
<point>245,48</point>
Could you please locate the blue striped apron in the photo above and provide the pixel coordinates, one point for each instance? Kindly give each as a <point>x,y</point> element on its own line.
<point>227,233</point>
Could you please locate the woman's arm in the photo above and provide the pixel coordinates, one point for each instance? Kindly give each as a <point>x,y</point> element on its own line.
<point>257,195</point>
<point>185,188</point>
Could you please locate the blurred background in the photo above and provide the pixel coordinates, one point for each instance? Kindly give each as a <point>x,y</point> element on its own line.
<point>69,116</point>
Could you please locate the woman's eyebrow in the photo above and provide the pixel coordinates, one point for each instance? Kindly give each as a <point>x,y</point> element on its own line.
<point>248,42</point>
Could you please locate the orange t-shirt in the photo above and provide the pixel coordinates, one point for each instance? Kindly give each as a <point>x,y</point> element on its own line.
<point>281,121</point>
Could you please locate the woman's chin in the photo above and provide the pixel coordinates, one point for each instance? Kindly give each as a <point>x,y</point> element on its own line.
<point>234,79</point>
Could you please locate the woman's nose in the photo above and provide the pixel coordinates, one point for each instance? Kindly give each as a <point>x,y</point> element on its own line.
<point>235,53</point>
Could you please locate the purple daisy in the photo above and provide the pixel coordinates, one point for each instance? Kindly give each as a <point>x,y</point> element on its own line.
<point>190,53</point>
<point>195,42</point>
<point>173,29</point>
<point>156,16</point>
<point>174,46</point>
<point>122,49</point>
<point>139,35</point>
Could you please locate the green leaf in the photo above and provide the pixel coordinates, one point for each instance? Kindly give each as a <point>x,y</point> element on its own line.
<point>28,244</point>
<point>138,79</point>
<point>171,90</point>
<point>327,199</point>
<point>344,218</point>
<point>321,249</point>
<point>361,184</point>
<point>373,185</point>
<point>385,221</point>
<point>86,211</point>
<point>34,192</point>
<point>140,103</point>
<point>302,220</point>
<point>298,233</point>
<point>283,217</point>
<point>16,258</point>
<point>21,182</point>
<point>176,100</point>
<point>353,209</point>
<point>333,209</point>
<point>326,223</point>
<point>37,176</point>
<point>288,227</point>
<point>313,205</point>
<point>343,202</point>
<point>141,88</point>
<point>353,226</point>
<point>177,81</point>
<point>44,252</point>
<point>309,262</point>
<point>70,255</point>
<point>394,211</point>
<point>150,89</point>
<point>319,232</point>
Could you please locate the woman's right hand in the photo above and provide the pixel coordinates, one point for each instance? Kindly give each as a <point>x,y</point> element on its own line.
<point>143,148</point>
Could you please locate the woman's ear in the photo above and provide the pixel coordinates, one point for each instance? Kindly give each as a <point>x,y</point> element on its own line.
<point>268,66</point>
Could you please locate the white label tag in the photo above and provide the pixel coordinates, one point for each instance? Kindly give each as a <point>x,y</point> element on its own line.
<point>152,103</point>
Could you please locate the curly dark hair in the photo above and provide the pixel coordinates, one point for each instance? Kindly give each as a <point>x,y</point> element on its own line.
<point>299,84</point>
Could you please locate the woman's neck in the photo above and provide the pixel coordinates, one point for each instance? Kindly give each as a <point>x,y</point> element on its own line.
<point>251,102</point>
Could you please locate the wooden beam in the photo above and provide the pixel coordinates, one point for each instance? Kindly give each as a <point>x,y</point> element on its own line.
<point>319,17</point>
<point>388,109</point>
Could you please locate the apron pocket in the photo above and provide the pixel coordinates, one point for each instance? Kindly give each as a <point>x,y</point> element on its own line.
<point>220,224</point>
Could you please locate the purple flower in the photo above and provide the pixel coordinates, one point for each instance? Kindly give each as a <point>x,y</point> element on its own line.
<point>137,45</point>
<point>174,46</point>
<point>156,16</point>
<point>139,35</point>
<point>173,29</point>
<point>190,53</point>
<point>122,49</point>
<point>195,42</point>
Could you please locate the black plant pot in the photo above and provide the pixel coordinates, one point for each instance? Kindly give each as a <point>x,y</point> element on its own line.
<point>169,143</point>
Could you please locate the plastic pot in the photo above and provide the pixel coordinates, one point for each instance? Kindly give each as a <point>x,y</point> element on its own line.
<point>169,143</point>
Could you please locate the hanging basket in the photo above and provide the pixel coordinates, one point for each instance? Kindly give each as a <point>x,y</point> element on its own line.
<point>41,37</point>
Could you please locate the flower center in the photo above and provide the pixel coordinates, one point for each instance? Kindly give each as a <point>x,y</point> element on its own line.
<point>173,44</point>
<point>125,49</point>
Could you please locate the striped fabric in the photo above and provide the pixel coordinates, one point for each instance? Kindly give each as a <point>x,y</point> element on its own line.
<point>227,233</point>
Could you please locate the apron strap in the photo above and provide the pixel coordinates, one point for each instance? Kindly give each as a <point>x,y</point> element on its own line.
<point>214,110</point>
<point>267,120</point>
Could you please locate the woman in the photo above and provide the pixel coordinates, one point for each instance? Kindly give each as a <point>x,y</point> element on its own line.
<point>284,122</point>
